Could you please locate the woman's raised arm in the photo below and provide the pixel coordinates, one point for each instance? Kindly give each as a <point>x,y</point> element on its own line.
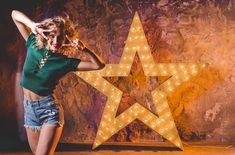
<point>23,23</point>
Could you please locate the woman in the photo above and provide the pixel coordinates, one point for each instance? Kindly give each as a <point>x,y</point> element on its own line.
<point>46,62</point>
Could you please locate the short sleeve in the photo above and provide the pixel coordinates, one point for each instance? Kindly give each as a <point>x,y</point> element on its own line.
<point>31,40</point>
<point>74,63</point>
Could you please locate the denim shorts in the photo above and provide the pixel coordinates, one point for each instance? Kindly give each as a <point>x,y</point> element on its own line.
<point>42,111</point>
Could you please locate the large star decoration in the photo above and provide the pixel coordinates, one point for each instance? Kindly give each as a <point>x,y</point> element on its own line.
<point>164,122</point>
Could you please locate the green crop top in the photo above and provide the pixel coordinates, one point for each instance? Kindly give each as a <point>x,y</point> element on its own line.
<point>42,79</point>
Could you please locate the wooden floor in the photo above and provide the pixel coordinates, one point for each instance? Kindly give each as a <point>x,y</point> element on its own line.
<point>188,150</point>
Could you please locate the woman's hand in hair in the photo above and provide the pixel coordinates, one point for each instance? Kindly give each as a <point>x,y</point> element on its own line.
<point>37,28</point>
<point>78,44</point>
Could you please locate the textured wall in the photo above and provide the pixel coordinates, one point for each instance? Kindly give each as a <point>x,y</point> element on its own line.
<point>177,31</point>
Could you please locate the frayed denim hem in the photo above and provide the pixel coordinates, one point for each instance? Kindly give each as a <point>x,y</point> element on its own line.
<point>33,128</point>
<point>58,123</point>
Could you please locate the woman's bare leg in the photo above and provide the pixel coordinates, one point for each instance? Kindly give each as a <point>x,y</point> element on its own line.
<point>33,137</point>
<point>48,139</point>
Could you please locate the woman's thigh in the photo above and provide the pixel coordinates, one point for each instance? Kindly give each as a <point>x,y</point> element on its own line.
<point>49,138</point>
<point>33,138</point>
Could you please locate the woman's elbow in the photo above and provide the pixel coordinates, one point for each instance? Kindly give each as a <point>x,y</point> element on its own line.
<point>98,66</point>
<point>13,13</point>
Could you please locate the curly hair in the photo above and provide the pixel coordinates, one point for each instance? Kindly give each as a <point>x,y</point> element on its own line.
<point>67,27</point>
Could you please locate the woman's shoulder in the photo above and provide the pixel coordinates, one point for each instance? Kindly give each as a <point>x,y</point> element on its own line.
<point>31,40</point>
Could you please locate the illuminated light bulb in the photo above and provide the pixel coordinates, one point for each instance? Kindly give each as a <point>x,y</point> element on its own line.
<point>170,138</point>
<point>136,114</point>
<point>116,100</point>
<point>153,125</point>
<point>133,29</point>
<point>142,56</point>
<point>185,72</point>
<point>170,89</point>
<point>128,67</point>
<point>103,90</point>
<point>174,71</point>
<point>165,105</point>
<point>158,122</point>
<point>124,58</point>
<point>162,95</point>
<point>109,119</point>
<point>152,66</point>
<point>121,66</point>
<point>127,48</point>
<point>95,84</point>
<point>148,58</point>
<point>142,110</point>
<point>164,72</point>
<point>161,131</point>
<point>86,78</point>
<point>172,66</point>
<point>133,48</point>
<point>166,128</point>
<point>161,66</point>
<point>131,110</point>
<point>123,116</point>
<point>129,120</point>
<point>120,126</point>
<point>138,47</point>
<point>146,66</point>
<point>112,89</point>
<point>138,27</point>
<point>102,124</point>
<point>145,120</point>
<point>104,138</point>
<point>136,37</point>
<point>115,122</point>
<point>168,83</point>
<point>186,78</point>
<point>136,18</point>
<point>178,144</point>
<point>142,37</point>
<point>112,131</point>
<point>100,134</point>
<point>160,110</point>
<point>105,116</point>
<point>105,84</point>
<point>182,66</point>
<point>177,83</point>
<point>150,117</point>
<point>176,76</point>
<point>203,65</point>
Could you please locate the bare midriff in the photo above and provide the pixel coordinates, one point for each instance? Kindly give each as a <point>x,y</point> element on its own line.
<point>31,95</point>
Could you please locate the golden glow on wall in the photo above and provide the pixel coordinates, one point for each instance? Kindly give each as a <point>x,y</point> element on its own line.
<point>164,122</point>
